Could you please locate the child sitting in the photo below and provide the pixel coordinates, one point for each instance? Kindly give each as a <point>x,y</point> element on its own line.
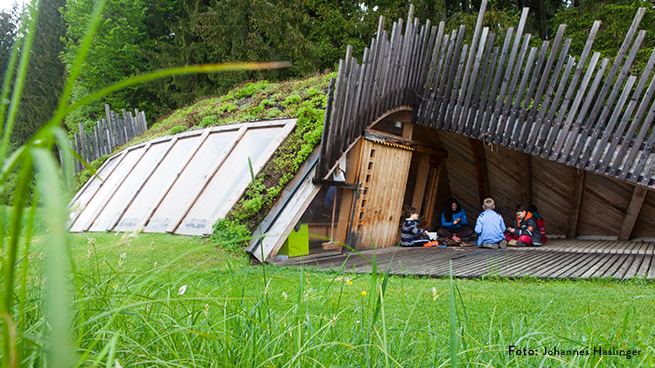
<point>491,226</point>
<point>525,230</point>
<point>410,234</point>
<point>540,221</point>
<point>453,222</point>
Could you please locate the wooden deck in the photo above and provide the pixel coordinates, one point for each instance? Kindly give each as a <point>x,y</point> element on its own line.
<point>559,259</point>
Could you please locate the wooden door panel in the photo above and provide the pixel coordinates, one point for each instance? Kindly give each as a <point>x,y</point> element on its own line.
<point>383,175</point>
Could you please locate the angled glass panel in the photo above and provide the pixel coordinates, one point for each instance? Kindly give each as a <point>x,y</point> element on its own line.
<point>232,178</point>
<point>130,186</point>
<point>83,199</point>
<point>156,186</point>
<point>186,187</point>
<point>105,191</point>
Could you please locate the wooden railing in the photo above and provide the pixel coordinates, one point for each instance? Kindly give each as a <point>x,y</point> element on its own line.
<point>589,112</point>
<point>113,131</point>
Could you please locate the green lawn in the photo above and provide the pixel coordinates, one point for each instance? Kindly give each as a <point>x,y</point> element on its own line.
<point>170,300</point>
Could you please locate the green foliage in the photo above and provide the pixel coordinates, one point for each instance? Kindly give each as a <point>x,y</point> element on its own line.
<point>230,235</point>
<point>176,129</point>
<point>292,100</point>
<point>616,18</point>
<point>123,47</point>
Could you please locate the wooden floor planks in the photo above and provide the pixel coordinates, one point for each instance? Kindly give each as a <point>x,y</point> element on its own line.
<point>559,259</point>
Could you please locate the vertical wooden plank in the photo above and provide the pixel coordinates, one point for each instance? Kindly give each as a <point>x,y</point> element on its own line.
<point>450,57</point>
<point>511,109</point>
<point>589,98</point>
<point>576,202</point>
<point>559,135</point>
<point>541,145</point>
<point>512,68</point>
<point>76,148</point>
<point>541,90</point>
<point>452,103</point>
<point>96,150</point>
<point>647,148</point>
<point>608,83</point>
<point>574,84</point>
<point>82,151</point>
<point>637,201</point>
<point>528,101</point>
<point>456,63</point>
<point>430,83</point>
<point>322,165</point>
<point>437,90</point>
<point>601,145</point>
<point>462,112</point>
<point>482,104</point>
<point>475,52</point>
<point>630,135</point>
<point>108,116</point>
<point>607,126</point>
<point>496,84</point>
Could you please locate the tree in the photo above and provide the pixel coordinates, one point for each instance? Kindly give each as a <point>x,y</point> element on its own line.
<point>616,18</point>
<point>45,73</point>
<point>8,29</point>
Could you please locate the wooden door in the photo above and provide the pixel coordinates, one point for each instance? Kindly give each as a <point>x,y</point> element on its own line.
<point>378,211</point>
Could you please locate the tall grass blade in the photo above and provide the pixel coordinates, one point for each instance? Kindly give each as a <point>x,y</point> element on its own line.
<point>57,257</point>
<point>454,343</point>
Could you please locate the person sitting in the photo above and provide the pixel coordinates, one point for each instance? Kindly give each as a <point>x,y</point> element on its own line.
<point>490,226</point>
<point>525,230</point>
<point>410,234</point>
<point>540,221</point>
<point>453,222</point>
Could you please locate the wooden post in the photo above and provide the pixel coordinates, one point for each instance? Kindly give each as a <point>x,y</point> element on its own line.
<point>638,197</point>
<point>480,168</point>
<point>525,167</point>
<point>421,181</point>
<point>353,162</point>
<point>408,130</point>
<point>575,202</point>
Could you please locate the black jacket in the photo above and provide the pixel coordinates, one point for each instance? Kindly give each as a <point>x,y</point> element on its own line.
<point>528,227</point>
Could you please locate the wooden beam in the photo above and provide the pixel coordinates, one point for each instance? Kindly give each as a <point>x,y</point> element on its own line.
<point>525,168</point>
<point>432,151</point>
<point>408,131</point>
<point>421,181</point>
<point>332,183</point>
<point>481,169</point>
<point>353,167</point>
<point>575,202</point>
<point>638,197</point>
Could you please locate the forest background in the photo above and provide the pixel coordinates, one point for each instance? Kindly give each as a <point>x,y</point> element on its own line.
<point>137,36</point>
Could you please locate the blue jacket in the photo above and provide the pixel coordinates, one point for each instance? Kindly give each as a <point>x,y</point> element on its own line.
<point>490,226</point>
<point>409,232</point>
<point>456,215</point>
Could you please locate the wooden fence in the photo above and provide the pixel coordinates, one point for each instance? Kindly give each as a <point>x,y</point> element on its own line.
<point>589,112</point>
<point>108,133</point>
